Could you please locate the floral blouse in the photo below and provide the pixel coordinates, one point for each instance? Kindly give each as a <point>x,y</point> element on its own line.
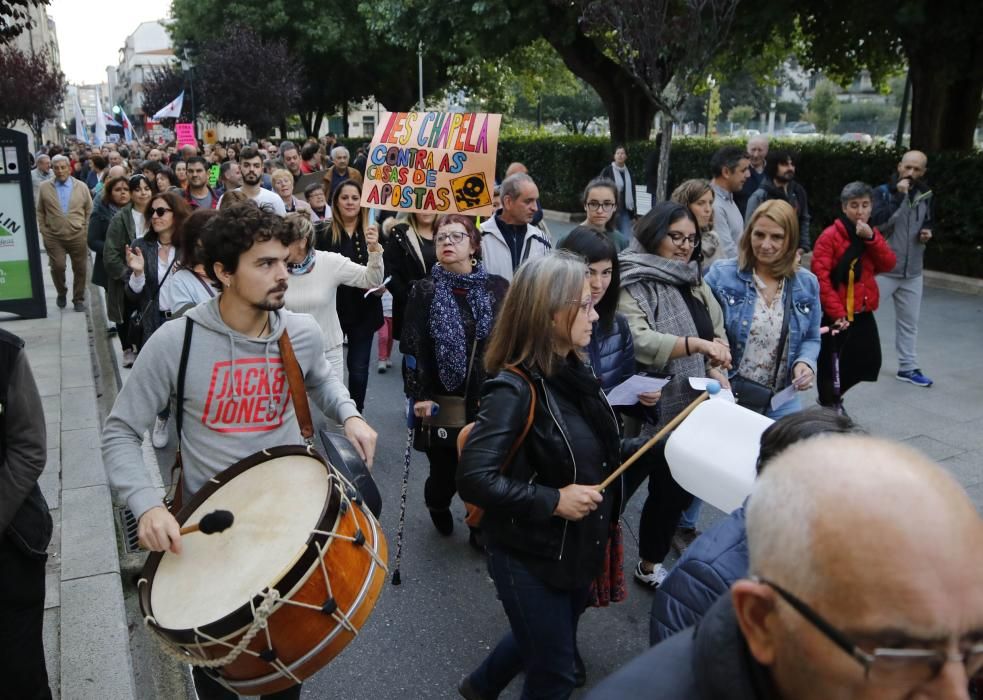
<point>758,361</point>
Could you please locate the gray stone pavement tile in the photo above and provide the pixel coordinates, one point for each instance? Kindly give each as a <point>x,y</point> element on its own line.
<point>74,337</point>
<point>88,539</point>
<point>76,371</point>
<point>81,462</point>
<point>95,654</point>
<point>51,405</point>
<point>966,467</point>
<point>932,448</point>
<point>52,430</point>
<point>52,650</point>
<point>976,494</point>
<point>50,482</point>
<point>967,435</point>
<point>52,590</point>
<point>48,384</point>
<point>78,408</point>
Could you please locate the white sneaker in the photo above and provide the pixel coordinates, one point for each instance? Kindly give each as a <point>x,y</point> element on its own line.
<point>652,580</point>
<point>160,435</point>
<point>382,366</point>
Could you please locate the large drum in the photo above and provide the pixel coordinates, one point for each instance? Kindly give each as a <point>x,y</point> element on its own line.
<point>276,596</point>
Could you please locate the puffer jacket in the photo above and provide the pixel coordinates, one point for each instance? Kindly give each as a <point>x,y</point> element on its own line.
<point>705,572</point>
<point>519,505</point>
<point>830,247</point>
<point>612,352</point>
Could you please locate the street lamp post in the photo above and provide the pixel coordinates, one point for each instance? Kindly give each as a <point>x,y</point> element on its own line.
<point>419,57</point>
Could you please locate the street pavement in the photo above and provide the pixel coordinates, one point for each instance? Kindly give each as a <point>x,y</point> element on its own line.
<point>444,618</point>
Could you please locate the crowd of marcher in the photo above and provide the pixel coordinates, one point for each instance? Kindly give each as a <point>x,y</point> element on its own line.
<point>501,325</point>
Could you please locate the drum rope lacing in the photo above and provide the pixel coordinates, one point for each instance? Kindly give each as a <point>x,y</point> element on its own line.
<point>271,603</point>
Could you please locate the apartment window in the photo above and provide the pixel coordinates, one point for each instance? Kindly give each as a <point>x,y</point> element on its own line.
<point>368,125</point>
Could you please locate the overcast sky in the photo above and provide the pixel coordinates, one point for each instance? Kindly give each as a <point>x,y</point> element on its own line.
<point>91,33</point>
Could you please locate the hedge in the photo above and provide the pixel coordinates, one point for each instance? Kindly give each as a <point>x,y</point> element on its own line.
<point>562,165</point>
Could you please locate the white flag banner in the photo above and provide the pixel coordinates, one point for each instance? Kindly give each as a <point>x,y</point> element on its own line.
<point>110,121</point>
<point>80,130</point>
<point>127,127</point>
<point>100,131</point>
<point>172,110</point>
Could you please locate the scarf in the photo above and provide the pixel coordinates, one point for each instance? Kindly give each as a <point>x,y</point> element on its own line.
<point>447,326</point>
<point>849,267</point>
<point>622,178</point>
<point>662,288</point>
<point>576,382</point>
<point>306,265</point>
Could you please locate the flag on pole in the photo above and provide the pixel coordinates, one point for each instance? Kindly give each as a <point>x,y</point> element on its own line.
<point>110,121</point>
<point>172,110</point>
<point>127,127</point>
<point>80,130</point>
<point>100,130</point>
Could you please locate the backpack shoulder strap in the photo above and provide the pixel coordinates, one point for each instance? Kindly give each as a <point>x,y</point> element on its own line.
<point>181,372</point>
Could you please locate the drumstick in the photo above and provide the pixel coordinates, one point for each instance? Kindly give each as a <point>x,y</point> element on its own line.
<point>216,521</point>
<point>713,387</point>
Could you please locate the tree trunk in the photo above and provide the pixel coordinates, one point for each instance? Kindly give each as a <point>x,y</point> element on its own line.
<point>630,112</point>
<point>665,148</point>
<point>283,128</point>
<point>344,119</point>
<point>943,112</point>
<point>318,119</point>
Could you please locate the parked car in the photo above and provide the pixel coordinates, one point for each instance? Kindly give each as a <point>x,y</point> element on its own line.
<point>800,129</point>
<point>857,137</point>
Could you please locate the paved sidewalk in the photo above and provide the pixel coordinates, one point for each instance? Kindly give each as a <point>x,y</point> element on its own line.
<point>86,638</point>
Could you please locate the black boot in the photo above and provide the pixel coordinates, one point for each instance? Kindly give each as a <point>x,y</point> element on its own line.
<point>442,520</point>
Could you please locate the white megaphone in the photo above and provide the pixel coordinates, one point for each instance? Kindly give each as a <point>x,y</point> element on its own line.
<point>714,452</point>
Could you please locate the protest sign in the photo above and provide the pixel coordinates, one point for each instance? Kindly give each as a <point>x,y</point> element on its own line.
<point>211,136</point>
<point>433,162</point>
<point>185,134</point>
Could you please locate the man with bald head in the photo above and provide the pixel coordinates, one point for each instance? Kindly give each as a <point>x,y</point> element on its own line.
<point>903,213</point>
<point>865,583</point>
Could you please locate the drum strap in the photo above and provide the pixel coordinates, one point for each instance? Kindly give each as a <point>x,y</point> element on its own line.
<point>298,393</point>
<point>177,470</point>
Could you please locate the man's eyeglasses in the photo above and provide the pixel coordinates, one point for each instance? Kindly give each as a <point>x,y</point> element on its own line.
<point>160,211</point>
<point>680,238</point>
<point>909,668</point>
<point>454,237</point>
<point>606,206</point>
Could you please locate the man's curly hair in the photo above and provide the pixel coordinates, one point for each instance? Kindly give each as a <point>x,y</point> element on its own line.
<point>233,231</point>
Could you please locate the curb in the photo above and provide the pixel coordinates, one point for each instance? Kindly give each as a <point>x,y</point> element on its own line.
<point>554,215</point>
<point>953,283</point>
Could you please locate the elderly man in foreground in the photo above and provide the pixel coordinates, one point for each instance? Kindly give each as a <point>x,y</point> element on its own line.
<point>865,582</point>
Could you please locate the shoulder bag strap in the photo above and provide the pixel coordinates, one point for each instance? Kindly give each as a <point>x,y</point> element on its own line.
<point>784,335</point>
<point>181,372</point>
<point>298,393</point>
<point>529,418</point>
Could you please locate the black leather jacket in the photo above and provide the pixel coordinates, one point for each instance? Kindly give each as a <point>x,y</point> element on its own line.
<point>519,506</point>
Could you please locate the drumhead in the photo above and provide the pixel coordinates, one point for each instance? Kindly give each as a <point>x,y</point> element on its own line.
<point>276,504</point>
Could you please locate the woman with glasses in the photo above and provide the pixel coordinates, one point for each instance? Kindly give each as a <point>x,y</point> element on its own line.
<point>678,329</point>
<point>697,196</point>
<point>360,316</point>
<point>151,260</point>
<point>545,524</point>
<point>410,255</point>
<point>129,223</point>
<point>600,200</point>
<point>316,275</point>
<point>449,317</point>
<point>756,291</point>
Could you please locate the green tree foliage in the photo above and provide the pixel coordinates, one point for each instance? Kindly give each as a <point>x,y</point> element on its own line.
<point>713,110</point>
<point>792,110</point>
<point>32,88</point>
<point>741,114</point>
<point>824,109</point>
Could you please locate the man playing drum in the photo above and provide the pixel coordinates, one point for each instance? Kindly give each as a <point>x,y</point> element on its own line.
<point>236,393</point>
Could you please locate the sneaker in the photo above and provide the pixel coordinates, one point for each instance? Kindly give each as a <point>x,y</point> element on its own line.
<point>382,366</point>
<point>61,301</point>
<point>389,364</point>
<point>654,579</point>
<point>129,357</point>
<point>915,376</point>
<point>160,436</point>
<point>78,305</point>
<point>684,537</point>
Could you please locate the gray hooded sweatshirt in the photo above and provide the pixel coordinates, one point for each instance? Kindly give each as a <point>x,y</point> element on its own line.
<point>236,398</point>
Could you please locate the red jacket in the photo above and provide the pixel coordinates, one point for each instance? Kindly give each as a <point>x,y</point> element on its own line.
<point>830,247</point>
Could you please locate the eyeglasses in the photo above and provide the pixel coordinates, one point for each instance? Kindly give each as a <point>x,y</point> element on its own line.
<point>585,306</point>
<point>160,211</point>
<point>454,237</point>
<point>908,668</point>
<point>680,238</point>
<point>606,206</point>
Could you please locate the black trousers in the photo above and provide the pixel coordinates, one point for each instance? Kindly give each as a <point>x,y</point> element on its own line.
<point>22,665</point>
<point>859,348</point>
<point>210,689</point>
<point>441,484</point>
<point>666,499</point>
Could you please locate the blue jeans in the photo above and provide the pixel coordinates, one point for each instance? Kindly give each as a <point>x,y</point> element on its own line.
<point>542,640</point>
<point>691,515</point>
<point>359,353</point>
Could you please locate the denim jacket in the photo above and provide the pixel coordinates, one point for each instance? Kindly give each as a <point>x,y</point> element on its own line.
<point>737,295</point>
